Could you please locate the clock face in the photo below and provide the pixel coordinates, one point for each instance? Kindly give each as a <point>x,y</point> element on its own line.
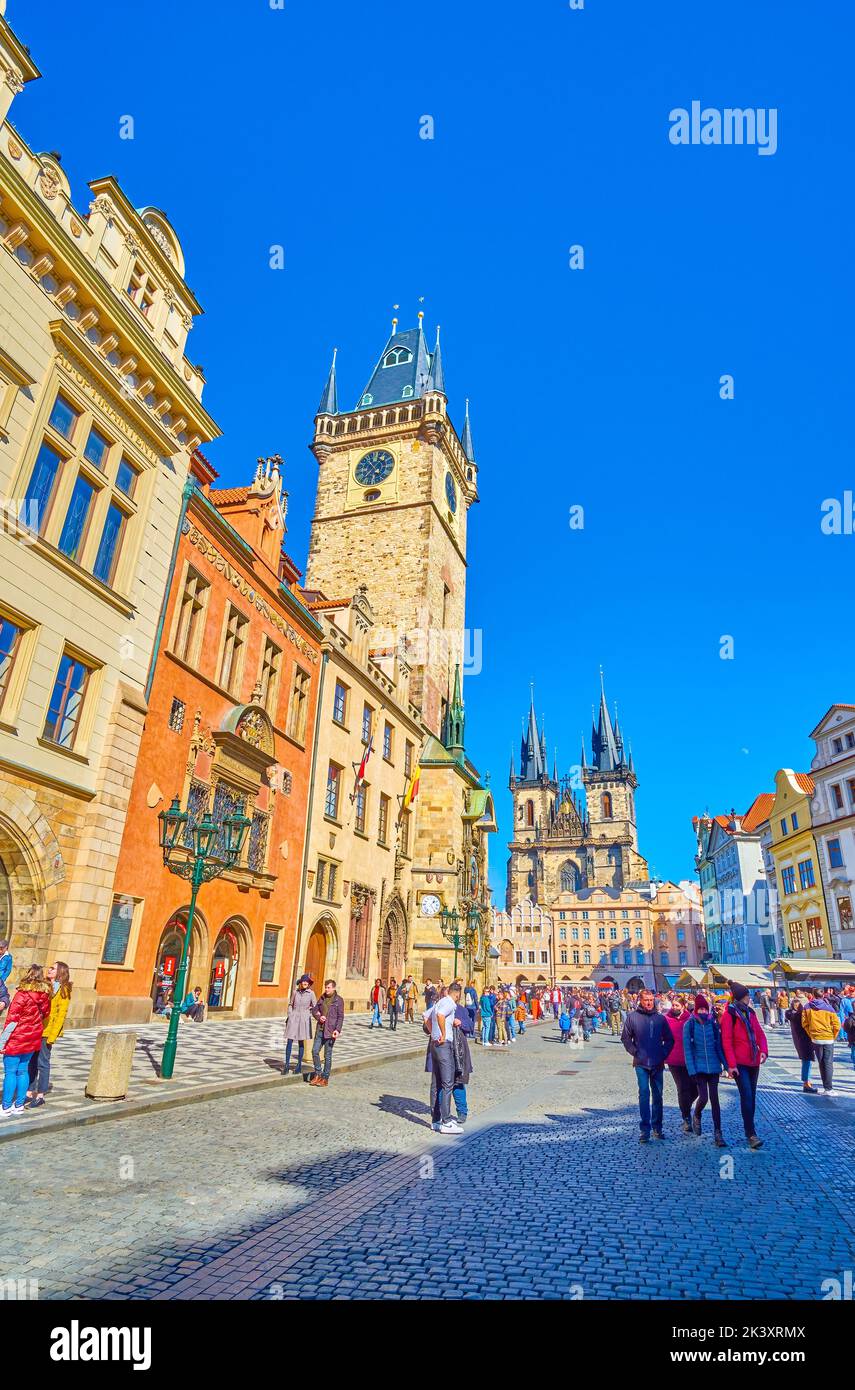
<point>430,905</point>
<point>450,492</point>
<point>374,468</point>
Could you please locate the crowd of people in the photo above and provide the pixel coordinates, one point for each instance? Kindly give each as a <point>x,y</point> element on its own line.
<point>31,1021</point>
<point>700,1039</point>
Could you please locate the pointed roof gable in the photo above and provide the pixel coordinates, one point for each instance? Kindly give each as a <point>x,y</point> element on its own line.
<point>758,812</point>
<point>824,721</point>
<point>402,371</point>
<point>329,400</point>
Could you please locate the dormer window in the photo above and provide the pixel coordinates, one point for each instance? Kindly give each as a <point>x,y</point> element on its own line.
<point>396,357</point>
<point>142,289</point>
<point>367,399</point>
<point>407,391</point>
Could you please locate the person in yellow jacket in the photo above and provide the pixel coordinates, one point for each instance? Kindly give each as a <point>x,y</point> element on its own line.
<point>60,980</point>
<point>822,1024</point>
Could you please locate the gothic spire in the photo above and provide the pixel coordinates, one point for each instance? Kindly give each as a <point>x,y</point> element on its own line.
<point>436,380</point>
<point>329,400</point>
<point>533,755</point>
<point>466,437</point>
<point>456,719</point>
<point>606,757</point>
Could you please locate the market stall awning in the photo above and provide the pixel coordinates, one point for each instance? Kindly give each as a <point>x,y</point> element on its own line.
<point>752,976</point>
<point>690,978</point>
<point>803,968</point>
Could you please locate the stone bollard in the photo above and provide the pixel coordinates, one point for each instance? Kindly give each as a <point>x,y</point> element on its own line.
<point>110,1072</point>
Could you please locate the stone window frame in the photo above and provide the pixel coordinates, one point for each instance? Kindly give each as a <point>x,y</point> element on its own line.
<point>12,697</point>
<point>129,963</point>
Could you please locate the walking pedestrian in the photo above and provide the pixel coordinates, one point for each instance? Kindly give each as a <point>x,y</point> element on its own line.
<point>801,1041</point>
<point>6,963</point>
<point>298,1025</point>
<point>849,1030</point>
<point>329,1014</point>
<point>441,1018</point>
<point>648,1039</point>
<point>59,978</point>
<point>705,1062</point>
<point>565,1023</point>
<point>470,1002</point>
<point>746,1049</point>
<point>392,1004</point>
<point>463,1067</point>
<point>431,994</point>
<point>378,1003</point>
<point>22,1037</point>
<point>821,1022</point>
<point>613,1003</point>
<point>410,992</point>
<point>501,1009</point>
<point>687,1088</point>
<point>486,1018</point>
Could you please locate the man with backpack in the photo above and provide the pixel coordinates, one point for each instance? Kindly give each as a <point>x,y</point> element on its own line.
<point>613,1003</point>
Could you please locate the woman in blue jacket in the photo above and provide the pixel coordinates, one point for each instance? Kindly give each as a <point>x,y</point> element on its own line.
<point>705,1061</point>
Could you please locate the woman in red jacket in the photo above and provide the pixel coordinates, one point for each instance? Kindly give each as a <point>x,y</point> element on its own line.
<point>22,1035</point>
<point>746,1049</point>
<point>687,1088</point>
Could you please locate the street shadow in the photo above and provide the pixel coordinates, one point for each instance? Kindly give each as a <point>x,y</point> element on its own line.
<point>416,1111</point>
<point>275,1064</point>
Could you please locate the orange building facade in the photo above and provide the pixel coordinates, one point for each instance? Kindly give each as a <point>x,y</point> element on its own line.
<point>229,727</point>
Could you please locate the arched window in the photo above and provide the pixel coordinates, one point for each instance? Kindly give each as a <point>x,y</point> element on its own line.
<point>607,806</point>
<point>616,863</point>
<point>529,813</point>
<point>570,877</point>
<point>396,357</point>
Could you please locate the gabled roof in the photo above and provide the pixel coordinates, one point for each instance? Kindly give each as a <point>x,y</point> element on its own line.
<point>759,811</point>
<point>805,782</point>
<point>814,733</point>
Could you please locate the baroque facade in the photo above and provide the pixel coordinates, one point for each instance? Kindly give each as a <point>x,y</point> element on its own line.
<point>833,816</point>
<point>229,728</point>
<point>100,412</point>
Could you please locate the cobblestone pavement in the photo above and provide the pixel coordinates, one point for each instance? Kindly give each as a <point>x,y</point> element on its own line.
<point>228,1198</point>
<point>209,1054</point>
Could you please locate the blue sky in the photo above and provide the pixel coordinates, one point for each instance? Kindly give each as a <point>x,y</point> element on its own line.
<point>595,387</point>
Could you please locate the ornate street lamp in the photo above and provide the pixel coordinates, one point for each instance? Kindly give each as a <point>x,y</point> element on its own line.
<point>215,849</point>
<point>459,930</point>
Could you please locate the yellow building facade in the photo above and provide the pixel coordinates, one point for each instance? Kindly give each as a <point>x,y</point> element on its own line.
<point>100,410</point>
<point>798,880</point>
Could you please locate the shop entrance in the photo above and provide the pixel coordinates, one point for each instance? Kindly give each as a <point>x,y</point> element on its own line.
<point>224,970</point>
<point>168,959</point>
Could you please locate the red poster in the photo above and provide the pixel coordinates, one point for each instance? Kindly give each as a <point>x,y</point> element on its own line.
<point>169,964</point>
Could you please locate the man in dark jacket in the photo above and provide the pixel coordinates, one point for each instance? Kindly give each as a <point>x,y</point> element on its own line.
<point>329,1012</point>
<point>648,1039</point>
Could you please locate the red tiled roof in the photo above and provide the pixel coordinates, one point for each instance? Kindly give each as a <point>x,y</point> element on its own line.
<point>319,603</point>
<point>758,811</point>
<point>225,496</point>
<point>805,782</point>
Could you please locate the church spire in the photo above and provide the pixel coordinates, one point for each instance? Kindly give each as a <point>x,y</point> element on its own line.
<point>455,719</point>
<point>436,380</point>
<point>533,752</point>
<point>466,437</point>
<point>606,757</point>
<point>329,400</point>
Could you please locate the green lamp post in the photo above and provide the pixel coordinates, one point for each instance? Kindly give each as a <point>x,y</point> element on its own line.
<point>214,849</point>
<point>459,930</point>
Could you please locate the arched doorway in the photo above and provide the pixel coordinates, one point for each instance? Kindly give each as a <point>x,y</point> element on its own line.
<point>635,984</point>
<point>316,956</point>
<point>392,944</point>
<point>226,962</point>
<point>30,862</point>
<point>169,955</point>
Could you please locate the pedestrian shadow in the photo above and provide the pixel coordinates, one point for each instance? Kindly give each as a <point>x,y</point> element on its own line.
<point>416,1111</point>
<point>275,1064</point>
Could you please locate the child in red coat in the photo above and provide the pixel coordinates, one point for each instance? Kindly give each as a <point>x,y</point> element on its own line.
<point>22,1036</point>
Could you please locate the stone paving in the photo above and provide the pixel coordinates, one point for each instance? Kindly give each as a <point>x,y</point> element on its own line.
<point>210,1055</point>
<point>547,1194</point>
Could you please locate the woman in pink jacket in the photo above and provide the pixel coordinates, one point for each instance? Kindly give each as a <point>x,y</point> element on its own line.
<point>687,1088</point>
<point>746,1049</point>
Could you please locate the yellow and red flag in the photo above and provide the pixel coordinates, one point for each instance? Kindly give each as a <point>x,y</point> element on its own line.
<point>412,788</point>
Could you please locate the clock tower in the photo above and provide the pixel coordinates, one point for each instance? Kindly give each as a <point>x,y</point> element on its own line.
<point>395,484</point>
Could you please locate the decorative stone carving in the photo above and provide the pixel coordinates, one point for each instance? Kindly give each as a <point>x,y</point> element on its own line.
<point>15,150</point>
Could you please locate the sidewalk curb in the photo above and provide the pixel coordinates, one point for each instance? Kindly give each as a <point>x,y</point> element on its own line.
<point>146,1105</point>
